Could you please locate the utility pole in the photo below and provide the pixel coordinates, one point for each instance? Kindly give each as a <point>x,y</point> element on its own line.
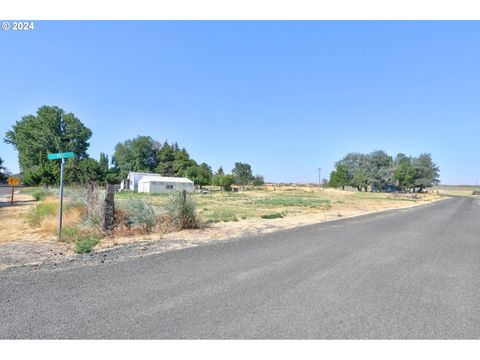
<point>319,177</point>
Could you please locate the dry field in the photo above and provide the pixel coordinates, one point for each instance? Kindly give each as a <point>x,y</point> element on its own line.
<point>454,190</point>
<point>30,226</point>
<point>38,220</point>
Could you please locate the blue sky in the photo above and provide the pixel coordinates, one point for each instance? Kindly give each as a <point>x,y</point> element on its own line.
<point>286,97</point>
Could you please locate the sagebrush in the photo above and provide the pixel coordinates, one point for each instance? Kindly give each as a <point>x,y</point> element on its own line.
<point>181,211</point>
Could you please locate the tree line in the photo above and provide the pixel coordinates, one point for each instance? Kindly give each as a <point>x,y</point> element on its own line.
<point>379,171</point>
<point>52,130</point>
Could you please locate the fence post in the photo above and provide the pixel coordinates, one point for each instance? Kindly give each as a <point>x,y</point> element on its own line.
<point>108,219</point>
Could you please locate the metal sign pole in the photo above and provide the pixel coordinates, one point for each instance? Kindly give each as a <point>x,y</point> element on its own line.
<point>63,156</point>
<point>61,200</point>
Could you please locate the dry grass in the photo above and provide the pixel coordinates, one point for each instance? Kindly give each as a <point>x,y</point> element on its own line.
<point>227,214</point>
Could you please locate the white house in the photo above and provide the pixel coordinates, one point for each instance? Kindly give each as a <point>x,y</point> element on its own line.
<point>160,184</point>
<point>155,183</point>
<point>131,182</point>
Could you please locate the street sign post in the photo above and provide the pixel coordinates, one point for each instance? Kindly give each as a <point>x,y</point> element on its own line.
<point>13,181</point>
<point>61,156</point>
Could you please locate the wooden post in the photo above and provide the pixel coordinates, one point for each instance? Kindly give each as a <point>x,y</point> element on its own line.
<point>11,200</point>
<point>184,192</point>
<point>108,219</point>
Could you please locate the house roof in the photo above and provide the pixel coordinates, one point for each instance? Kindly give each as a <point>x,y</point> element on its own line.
<point>157,178</point>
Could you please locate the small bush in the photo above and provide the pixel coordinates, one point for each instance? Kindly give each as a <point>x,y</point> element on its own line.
<point>181,211</point>
<point>85,245</point>
<point>40,194</point>
<point>40,212</point>
<point>69,234</point>
<point>275,215</point>
<point>139,213</point>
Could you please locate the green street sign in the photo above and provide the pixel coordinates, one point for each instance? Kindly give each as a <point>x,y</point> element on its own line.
<point>57,156</point>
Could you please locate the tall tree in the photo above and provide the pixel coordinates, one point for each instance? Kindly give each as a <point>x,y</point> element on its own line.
<point>242,173</point>
<point>182,161</point>
<point>166,158</point>
<point>378,167</point>
<point>258,180</point>
<point>339,177</point>
<point>103,164</point>
<point>138,154</point>
<point>51,130</point>
<point>83,171</point>
<point>200,174</point>
<point>426,172</point>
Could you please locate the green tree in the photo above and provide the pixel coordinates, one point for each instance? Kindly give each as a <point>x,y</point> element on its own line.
<point>200,174</point>
<point>426,172</point>
<point>51,130</point>
<point>403,174</point>
<point>258,180</point>
<point>182,161</point>
<point>103,165</point>
<point>360,179</point>
<point>166,158</point>
<point>339,177</point>
<point>227,181</point>
<point>138,154</point>
<point>113,173</point>
<point>377,169</point>
<point>83,171</point>
<point>242,173</point>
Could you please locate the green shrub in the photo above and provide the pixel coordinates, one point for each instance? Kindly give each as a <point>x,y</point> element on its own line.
<point>181,211</point>
<point>69,234</point>
<point>275,215</point>
<point>38,193</point>
<point>140,214</point>
<point>41,211</point>
<point>86,244</point>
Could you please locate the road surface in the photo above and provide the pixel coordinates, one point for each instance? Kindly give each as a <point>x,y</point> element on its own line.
<point>412,273</point>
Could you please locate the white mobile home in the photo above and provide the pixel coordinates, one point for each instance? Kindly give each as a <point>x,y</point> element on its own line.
<point>156,184</point>
<point>131,182</point>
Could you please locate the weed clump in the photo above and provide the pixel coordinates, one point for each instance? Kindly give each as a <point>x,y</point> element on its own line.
<point>40,212</point>
<point>181,211</point>
<point>85,244</point>
<point>139,213</point>
<point>276,215</point>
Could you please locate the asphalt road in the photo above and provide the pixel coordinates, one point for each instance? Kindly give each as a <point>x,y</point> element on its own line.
<point>412,273</point>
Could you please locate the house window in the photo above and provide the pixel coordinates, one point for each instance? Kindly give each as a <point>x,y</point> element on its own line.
<point>169,187</point>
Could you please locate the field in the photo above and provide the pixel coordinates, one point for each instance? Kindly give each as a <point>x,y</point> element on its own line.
<point>215,207</point>
<point>29,228</point>
<point>454,190</point>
